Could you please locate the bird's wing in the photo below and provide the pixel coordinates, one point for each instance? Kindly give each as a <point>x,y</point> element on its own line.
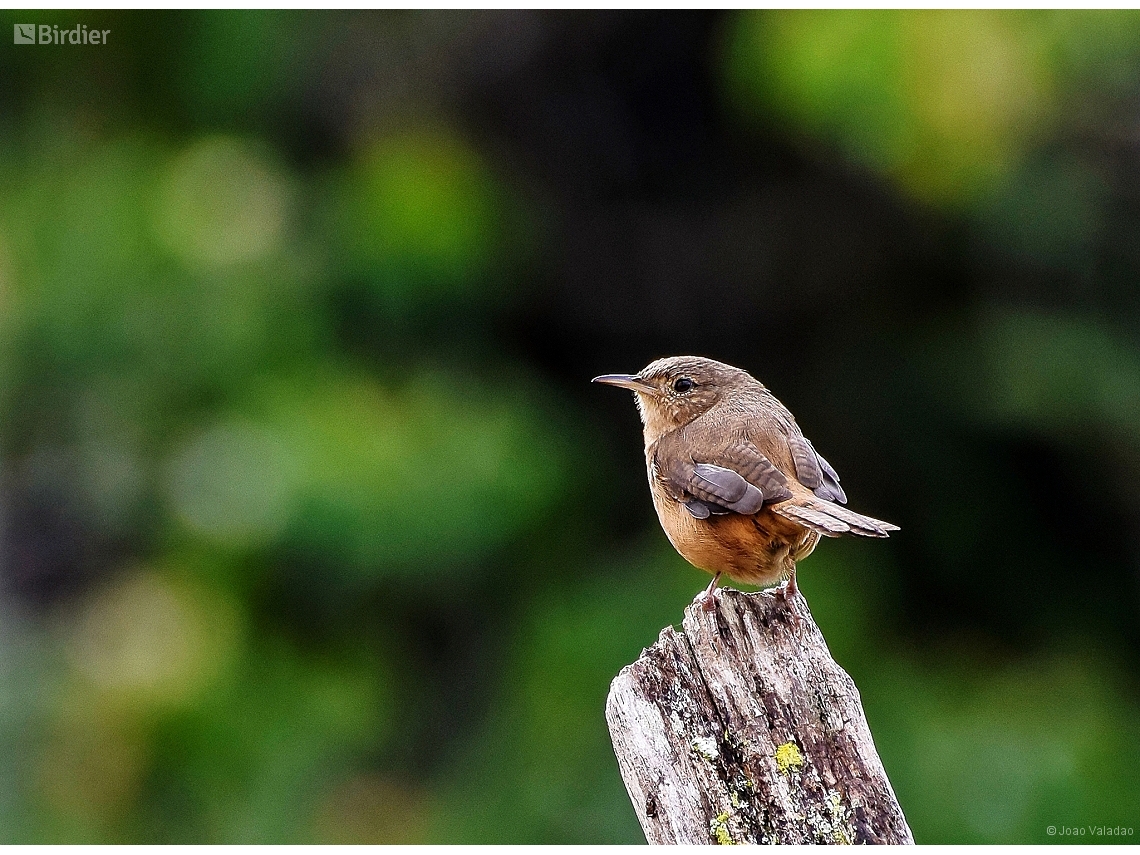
<point>737,479</point>
<point>813,471</point>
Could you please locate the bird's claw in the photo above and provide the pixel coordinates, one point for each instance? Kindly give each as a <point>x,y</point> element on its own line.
<point>707,597</point>
<point>787,594</point>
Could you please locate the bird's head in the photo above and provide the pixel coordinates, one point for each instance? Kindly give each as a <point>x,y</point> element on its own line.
<point>673,391</point>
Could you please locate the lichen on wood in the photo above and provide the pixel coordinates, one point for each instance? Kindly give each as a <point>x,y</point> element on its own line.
<point>741,728</point>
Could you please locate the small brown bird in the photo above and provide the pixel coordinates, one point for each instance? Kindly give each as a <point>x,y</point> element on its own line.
<point>738,488</point>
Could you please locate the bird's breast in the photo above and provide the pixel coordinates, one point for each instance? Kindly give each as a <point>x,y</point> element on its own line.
<point>759,549</point>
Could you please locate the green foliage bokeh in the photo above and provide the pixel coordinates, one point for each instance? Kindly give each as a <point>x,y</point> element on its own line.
<point>350,578</point>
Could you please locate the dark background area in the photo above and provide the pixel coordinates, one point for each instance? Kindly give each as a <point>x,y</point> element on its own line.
<point>312,528</point>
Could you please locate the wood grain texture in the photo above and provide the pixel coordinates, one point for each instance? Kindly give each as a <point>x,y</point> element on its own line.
<point>743,729</point>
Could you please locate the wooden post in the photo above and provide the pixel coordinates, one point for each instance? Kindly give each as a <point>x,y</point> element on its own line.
<point>743,729</point>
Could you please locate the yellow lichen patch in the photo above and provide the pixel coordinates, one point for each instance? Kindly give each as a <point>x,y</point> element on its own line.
<point>706,747</point>
<point>788,758</point>
<point>719,830</point>
<point>839,817</point>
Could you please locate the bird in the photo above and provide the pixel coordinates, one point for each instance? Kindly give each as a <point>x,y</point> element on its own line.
<point>738,488</point>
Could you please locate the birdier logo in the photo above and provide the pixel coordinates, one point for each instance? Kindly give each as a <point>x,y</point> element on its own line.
<point>51,34</point>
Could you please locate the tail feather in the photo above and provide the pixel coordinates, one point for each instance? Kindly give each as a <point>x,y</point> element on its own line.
<point>830,519</point>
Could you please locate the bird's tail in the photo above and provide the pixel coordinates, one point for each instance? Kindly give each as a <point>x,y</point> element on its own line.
<point>828,518</point>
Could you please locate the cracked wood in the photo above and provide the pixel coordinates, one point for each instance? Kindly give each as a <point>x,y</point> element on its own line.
<point>743,729</point>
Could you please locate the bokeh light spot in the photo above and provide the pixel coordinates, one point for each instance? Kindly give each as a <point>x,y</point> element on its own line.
<point>432,474</point>
<point>151,640</point>
<point>220,202</point>
<point>231,483</point>
<point>944,102</point>
<point>421,216</point>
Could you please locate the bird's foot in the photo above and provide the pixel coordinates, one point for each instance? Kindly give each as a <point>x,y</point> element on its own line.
<point>707,597</point>
<point>789,589</point>
<point>787,593</point>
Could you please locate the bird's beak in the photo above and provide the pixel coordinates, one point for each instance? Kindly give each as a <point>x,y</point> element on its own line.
<point>626,381</point>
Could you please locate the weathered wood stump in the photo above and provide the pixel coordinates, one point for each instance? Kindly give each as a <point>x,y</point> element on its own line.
<point>743,729</point>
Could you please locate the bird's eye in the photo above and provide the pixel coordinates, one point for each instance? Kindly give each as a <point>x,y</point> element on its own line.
<point>682,385</point>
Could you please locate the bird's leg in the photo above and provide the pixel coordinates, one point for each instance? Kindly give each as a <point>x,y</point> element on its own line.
<point>708,595</point>
<point>788,594</point>
<point>791,589</point>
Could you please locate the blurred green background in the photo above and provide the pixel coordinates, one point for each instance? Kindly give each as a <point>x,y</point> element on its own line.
<point>311,526</point>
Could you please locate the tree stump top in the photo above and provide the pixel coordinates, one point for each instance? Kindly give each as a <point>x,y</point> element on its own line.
<point>741,728</point>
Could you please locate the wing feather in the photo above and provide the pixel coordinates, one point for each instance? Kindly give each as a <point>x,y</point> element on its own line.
<point>737,479</point>
<point>813,471</point>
